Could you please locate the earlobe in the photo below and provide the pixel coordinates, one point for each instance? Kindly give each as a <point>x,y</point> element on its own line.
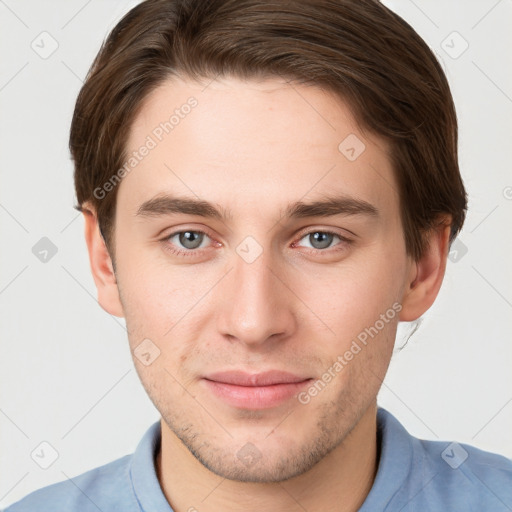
<point>426,276</point>
<point>101,266</point>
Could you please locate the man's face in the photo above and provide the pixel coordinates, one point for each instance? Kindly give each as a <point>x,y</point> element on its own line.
<point>259,290</point>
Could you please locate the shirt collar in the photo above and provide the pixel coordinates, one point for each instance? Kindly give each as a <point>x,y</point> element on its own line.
<point>394,461</point>
<point>145,482</point>
<point>393,466</point>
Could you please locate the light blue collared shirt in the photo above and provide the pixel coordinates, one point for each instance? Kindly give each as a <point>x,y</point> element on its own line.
<point>413,475</point>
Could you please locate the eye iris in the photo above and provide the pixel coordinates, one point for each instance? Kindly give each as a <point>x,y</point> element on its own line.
<point>190,239</point>
<point>320,240</point>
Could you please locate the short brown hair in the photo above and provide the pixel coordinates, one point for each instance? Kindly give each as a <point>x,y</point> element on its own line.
<point>358,49</point>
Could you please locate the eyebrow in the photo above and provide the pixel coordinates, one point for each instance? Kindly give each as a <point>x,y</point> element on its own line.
<point>326,207</point>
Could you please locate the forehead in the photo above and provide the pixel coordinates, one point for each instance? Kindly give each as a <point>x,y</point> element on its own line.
<point>241,141</point>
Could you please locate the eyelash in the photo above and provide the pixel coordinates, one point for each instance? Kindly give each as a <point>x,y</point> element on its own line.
<point>194,252</point>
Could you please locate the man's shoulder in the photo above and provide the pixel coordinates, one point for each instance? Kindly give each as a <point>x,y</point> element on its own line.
<point>456,476</point>
<point>119,485</point>
<point>477,476</point>
<point>462,455</point>
<point>431,475</point>
<point>100,488</point>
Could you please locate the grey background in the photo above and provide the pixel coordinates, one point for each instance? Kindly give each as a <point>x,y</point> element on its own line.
<point>67,377</point>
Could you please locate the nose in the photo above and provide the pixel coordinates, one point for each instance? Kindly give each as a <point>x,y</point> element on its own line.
<point>257,305</point>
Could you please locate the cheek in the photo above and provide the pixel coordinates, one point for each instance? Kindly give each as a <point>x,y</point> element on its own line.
<point>147,302</point>
<point>167,305</point>
<point>352,296</point>
<point>156,287</point>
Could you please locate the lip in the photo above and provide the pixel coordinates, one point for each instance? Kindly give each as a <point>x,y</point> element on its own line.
<point>255,391</point>
<point>267,378</point>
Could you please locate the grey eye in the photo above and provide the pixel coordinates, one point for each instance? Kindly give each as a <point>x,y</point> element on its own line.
<point>320,239</point>
<point>190,239</point>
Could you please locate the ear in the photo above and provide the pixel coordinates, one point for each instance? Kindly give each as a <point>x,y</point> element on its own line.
<point>101,265</point>
<point>426,275</point>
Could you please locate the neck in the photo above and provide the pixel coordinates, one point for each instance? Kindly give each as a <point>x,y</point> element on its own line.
<point>339,482</point>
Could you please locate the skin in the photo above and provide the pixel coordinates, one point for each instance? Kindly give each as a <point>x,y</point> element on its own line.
<point>253,148</point>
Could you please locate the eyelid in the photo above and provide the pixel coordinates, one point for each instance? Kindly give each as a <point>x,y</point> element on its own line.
<point>327,229</point>
<point>206,231</point>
